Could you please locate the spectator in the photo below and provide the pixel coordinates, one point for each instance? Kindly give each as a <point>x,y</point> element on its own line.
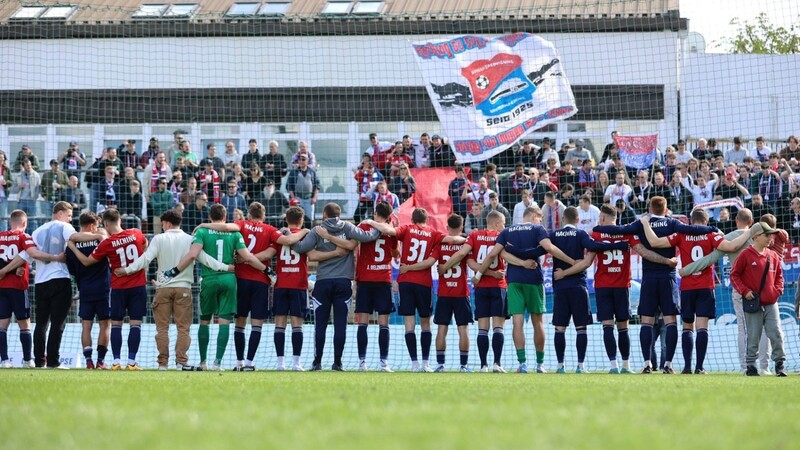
<point>713,150</point>
<point>275,204</point>
<point>611,148</point>
<point>378,151</point>
<point>552,174</point>
<point>526,201</point>
<point>74,195</point>
<point>618,191</point>
<point>791,151</point>
<point>208,182</point>
<point>640,197</point>
<point>625,215</point>
<point>216,161</point>
<point>440,154</point>
<point>725,222</point>
<point>528,155</point>
<point>682,155</point>
<point>737,154</point>
<point>189,191</point>
<point>160,201</point>
<point>335,187</point>
<point>130,207</point>
<point>458,192</point>
<point>254,184</point>
<point>702,152</point>
<point>304,185</point>
<point>274,164</point>
<point>548,152</point>
<point>252,155</point>
<point>189,158</point>
<point>129,156</point>
<point>52,182</point>
<point>619,167</point>
<point>367,180</point>
<point>588,214</point>
<point>6,184</point>
<point>155,171</point>
<point>703,191</point>
<point>599,191</point>
<point>175,148</point>
<point>491,177</point>
<point>303,150</point>
<point>26,153</point>
<point>761,152</point>
<point>128,178</point>
<point>72,160</point>
<point>567,195</point>
<point>403,184</point>
<point>238,215</point>
<point>421,151</point>
<point>106,191</point>
<point>176,186</point>
<point>110,160</point>
<point>238,175</point>
<point>150,154</point>
<point>671,165</point>
<point>186,171</point>
<point>232,199</point>
<point>730,188</point>
<point>661,189</point>
<point>568,175</point>
<point>195,213</point>
<point>396,158</point>
<point>552,212</point>
<point>758,207</point>
<point>230,156</point>
<point>562,153</point>
<point>586,175</point>
<point>494,205</point>
<point>692,170</point>
<point>769,185</point>
<point>579,154</point>
<point>682,196</point>
<point>382,195</point>
<point>27,185</point>
<point>479,194</point>
<point>513,185</point>
<point>475,219</point>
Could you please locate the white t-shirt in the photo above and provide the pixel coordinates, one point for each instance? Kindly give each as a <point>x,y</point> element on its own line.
<point>519,211</point>
<point>52,238</point>
<point>615,193</point>
<point>684,158</point>
<point>587,220</point>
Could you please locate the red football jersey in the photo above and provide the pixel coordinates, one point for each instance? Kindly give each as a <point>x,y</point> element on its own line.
<point>374,260</point>
<point>11,244</point>
<point>613,267</point>
<point>122,249</point>
<point>452,283</point>
<point>292,267</point>
<point>258,236</point>
<point>482,243</point>
<point>417,244</point>
<point>692,248</point>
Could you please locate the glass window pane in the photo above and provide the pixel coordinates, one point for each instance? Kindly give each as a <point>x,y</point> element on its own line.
<point>74,130</point>
<point>28,12</point>
<point>219,129</point>
<point>27,131</point>
<point>329,127</point>
<point>387,131</point>
<point>330,152</point>
<point>58,12</point>
<point>169,129</point>
<point>285,128</point>
<point>337,8</point>
<point>242,9</point>
<point>150,11</point>
<point>126,130</point>
<point>181,10</point>
<point>368,8</point>
<point>274,9</point>
<point>576,127</point>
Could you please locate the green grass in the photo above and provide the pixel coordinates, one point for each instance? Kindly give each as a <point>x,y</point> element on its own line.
<point>145,410</point>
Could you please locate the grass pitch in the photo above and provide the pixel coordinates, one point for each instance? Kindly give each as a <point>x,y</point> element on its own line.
<point>147,410</point>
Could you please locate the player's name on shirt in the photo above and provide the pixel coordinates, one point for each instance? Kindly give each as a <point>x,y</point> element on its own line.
<point>290,269</point>
<point>9,237</point>
<point>419,232</point>
<point>659,224</point>
<point>566,233</point>
<point>379,267</point>
<point>254,228</point>
<point>89,244</point>
<point>485,238</point>
<point>122,241</point>
<point>611,236</point>
<point>702,237</point>
<point>450,248</point>
<point>223,233</point>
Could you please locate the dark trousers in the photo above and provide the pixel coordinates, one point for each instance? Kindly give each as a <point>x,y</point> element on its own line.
<point>363,211</point>
<point>53,300</point>
<point>333,293</point>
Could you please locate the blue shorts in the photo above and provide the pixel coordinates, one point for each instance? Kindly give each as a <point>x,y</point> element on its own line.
<point>374,297</point>
<point>658,294</point>
<point>252,298</point>
<point>332,291</point>
<point>415,298</point>
<point>571,302</point>
<point>15,301</point>
<point>88,309</point>
<point>131,302</point>
<point>289,302</point>
<point>613,304</point>
<point>490,302</point>
<point>447,307</point>
<point>698,302</point>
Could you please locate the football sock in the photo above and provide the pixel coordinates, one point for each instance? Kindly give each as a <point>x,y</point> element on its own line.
<point>26,340</point>
<point>255,340</point>
<point>581,342</point>
<point>464,356</point>
<point>560,343</point>
<point>624,344</point>
<point>687,343</point>
<point>425,338</point>
<point>613,363</point>
<point>203,336</point>
<point>296,360</point>
<point>238,342</point>
<point>87,353</point>
<point>672,342</point>
<point>222,341</point>
<point>101,353</point>
<point>116,341</point>
<point>3,345</point>
<point>440,356</point>
<point>498,339</point>
<point>646,340</point>
<point>521,357</point>
<point>383,342</point>
<point>609,342</point>
<point>483,346</point>
<point>279,337</point>
<point>362,340</point>
<point>297,342</point>
<point>134,339</point>
<point>702,346</point>
<point>411,345</point>
<point>280,362</point>
<point>539,357</point>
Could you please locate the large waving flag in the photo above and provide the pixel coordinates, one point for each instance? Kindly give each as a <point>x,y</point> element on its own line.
<point>490,93</point>
<point>638,152</point>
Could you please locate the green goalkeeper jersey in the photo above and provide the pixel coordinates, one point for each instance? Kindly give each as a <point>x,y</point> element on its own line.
<point>220,245</point>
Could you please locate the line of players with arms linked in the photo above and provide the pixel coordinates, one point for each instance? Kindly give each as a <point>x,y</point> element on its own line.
<point>508,282</point>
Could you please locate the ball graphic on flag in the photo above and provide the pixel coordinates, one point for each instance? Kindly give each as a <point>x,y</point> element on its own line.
<point>482,82</point>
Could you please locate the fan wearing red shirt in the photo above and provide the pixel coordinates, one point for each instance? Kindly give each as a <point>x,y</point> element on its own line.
<point>490,292</point>
<point>128,293</point>
<point>14,287</point>
<point>697,290</point>
<point>417,242</point>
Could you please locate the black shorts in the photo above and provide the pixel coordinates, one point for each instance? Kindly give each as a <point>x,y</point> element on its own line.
<point>289,302</point>
<point>415,298</point>
<point>571,302</point>
<point>490,302</point>
<point>448,307</point>
<point>658,294</point>
<point>131,302</point>
<point>14,301</point>
<point>252,298</point>
<point>698,302</point>
<point>374,297</point>
<point>89,309</point>
<point>613,304</point>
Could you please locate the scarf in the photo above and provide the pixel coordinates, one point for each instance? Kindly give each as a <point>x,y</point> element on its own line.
<point>155,175</point>
<point>215,184</point>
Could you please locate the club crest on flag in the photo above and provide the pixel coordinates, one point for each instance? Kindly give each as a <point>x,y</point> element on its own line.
<point>638,152</point>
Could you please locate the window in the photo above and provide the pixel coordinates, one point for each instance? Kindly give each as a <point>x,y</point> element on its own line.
<point>58,12</point>
<point>149,11</point>
<point>28,12</point>
<point>274,9</point>
<point>333,7</point>
<point>242,9</point>
<point>368,8</point>
<point>181,10</point>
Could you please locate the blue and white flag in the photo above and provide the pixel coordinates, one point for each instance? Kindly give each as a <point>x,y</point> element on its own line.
<point>490,93</point>
<point>638,152</point>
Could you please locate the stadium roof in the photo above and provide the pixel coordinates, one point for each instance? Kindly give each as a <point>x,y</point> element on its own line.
<point>86,12</point>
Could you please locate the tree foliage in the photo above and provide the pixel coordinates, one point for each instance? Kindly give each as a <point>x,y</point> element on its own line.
<point>761,36</point>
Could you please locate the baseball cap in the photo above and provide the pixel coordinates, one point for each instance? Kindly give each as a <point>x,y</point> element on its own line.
<point>761,228</point>
<point>681,142</point>
<point>153,139</point>
<point>53,162</point>
<point>24,146</point>
<point>270,182</point>
<point>546,139</point>
<point>436,136</point>
<point>71,143</point>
